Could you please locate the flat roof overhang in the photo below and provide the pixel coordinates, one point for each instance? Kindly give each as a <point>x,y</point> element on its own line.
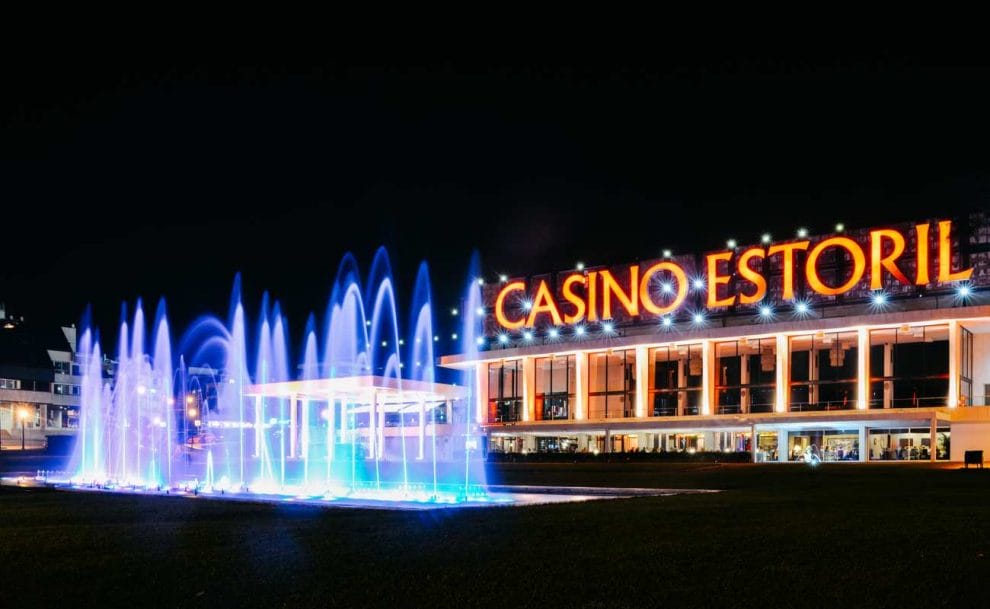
<point>654,336</point>
<point>834,419</point>
<point>360,390</point>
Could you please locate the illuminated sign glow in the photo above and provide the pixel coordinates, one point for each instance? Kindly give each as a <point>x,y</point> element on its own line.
<point>830,267</point>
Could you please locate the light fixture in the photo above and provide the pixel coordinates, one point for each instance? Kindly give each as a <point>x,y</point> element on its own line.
<point>141,389</point>
<point>666,288</point>
<point>667,253</point>
<point>666,322</point>
<point>191,412</point>
<point>879,299</point>
<point>527,335</point>
<point>480,341</point>
<point>608,327</point>
<point>481,281</point>
<point>453,336</point>
<point>527,305</point>
<point>964,291</point>
<point>766,238</point>
<point>453,312</point>
<point>802,233</point>
<point>401,342</point>
<point>698,283</point>
<point>579,331</point>
<point>503,278</point>
<point>503,338</point>
<point>384,343</point>
<point>840,227</point>
<point>766,311</point>
<point>699,318</point>
<point>553,333</point>
<point>480,311</point>
<point>190,399</point>
<point>580,266</point>
<point>731,244</point>
<point>801,307</point>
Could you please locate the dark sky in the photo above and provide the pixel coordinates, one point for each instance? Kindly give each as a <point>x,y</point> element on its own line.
<point>120,180</point>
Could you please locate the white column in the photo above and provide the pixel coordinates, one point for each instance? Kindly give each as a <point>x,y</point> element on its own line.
<point>331,427</point>
<point>581,386</point>
<point>529,388</point>
<point>888,371</point>
<point>420,454</point>
<point>481,394</point>
<point>304,432</point>
<point>681,382</point>
<point>373,426</point>
<point>862,372</point>
<point>864,448</point>
<point>933,440</point>
<point>707,378</point>
<point>954,357</point>
<point>642,380</point>
<point>381,425</point>
<point>783,381</point>
<point>293,425</point>
<point>744,397</point>
<point>752,441</point>
<point>813,376</point>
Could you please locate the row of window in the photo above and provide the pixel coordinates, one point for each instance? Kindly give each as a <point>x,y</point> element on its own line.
<point>56,388</point>
<point>909,367</point>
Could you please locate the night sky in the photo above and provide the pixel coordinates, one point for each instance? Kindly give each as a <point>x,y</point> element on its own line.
<point>122,180</point>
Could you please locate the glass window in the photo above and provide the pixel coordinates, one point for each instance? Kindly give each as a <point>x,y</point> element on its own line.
<point>555,386</point>
<point>505,395</point>
<point>675,380</point>
<point>746,374</point>
<point>612,384</point>
<point>818,445</point>
<point>908,444</point>
<point>909,366</point>
<point>823,371</point>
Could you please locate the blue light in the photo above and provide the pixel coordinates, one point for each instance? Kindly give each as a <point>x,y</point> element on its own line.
<point>608,327</point>
<point>879,298</point>
<point>553,333</point>
<point>527,335</point>
<point>480,311</point>
<point>503,338</point>
<point>766,311</point>
<point>481,341</point>
<point>666,288</point>
<point>964,291</point>
<point>698,283</point>
<point>801,308</point>
<point>527,305</point>
<point>579,331</point>
<point>666,322</point>
<point>699,318</point>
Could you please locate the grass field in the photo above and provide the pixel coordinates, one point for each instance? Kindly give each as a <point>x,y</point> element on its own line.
<point>779,536</point>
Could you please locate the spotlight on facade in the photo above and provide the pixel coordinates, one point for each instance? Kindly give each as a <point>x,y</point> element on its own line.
<point>667,253</point>
<point>453,312</point>
<point>480,341</point>
<point>840,227</point>
<point>879,299</point>
<point>731,244</point>
<point>666,322</point>
<point>480,311</point>
<point>802,233</point>
<point>801,308</point>
<point>579,331</point>
<point>481,281</point>
<point>698,318</point>
<point>964,291</point>
<point>527,305</point>
<point>698,283</point>
<point>666,288</point>
<point>580,266</point>
<point>608,327</point>
<point>766,312</point>
<point>553,333</point>
<point>503,338</point>
<point>527,335</point>
<point>765,238</point>
<point>503,278</point>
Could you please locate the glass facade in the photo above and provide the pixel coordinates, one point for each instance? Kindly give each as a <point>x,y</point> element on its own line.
<point>612,384</point>
<point>675,380</point>
<point>555,387</point>
<point>823,371</point>
<point>909,367</point>
<point>908,444</point>
<point>505,392</point>
<point>746,374</point>
<point>818,445</point>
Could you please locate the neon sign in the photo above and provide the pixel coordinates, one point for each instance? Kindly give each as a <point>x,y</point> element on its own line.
<point>830,267</point>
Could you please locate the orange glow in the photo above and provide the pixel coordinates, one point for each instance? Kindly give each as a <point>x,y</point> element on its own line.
<point>877,259</point>
<point>592,296</point>
<point>505,322</point>
<point>752,276</point>
<point>644,288</point>
<point>788,250</point>
<point>543,303</point>
<point>945,273</point>
<point>859,265</point>
<point>630,301</point>
<point>922,250</point>
<point>715,280</point>
<point>574,299</point>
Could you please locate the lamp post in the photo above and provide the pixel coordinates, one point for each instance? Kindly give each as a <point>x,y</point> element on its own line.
<point>24,416</point>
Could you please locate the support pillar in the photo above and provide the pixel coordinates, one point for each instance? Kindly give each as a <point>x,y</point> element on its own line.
<point>421,431</point>
<point>888,372</point>
<point>783,379</point>
<point>293,426</point>
<point>954,357</point>
<point>373,426</point>
<point>581,385</point>
<point>331,427</point>
<point>529,388</point>
<point>864,447</point>
<point>752,442</point>
<point>642,380</point>
<point>813,375</point>
<point>481,396</point>
<point>707,378</point>
<point>608,441</point>
<point>744,379</point>
<point>682,363</point>
<point>862,369</point>
<point>932,442</point>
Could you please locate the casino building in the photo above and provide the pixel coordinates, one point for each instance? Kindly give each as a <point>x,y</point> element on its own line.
<point>860,345</point>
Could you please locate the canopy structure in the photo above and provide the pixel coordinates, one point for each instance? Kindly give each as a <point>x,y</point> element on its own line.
<point>375,395</point>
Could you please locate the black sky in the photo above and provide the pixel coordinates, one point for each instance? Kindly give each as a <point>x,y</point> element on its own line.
<point>122,180</point>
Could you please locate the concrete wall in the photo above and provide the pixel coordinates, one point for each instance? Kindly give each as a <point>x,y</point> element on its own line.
<point>969,436</point>
<point>981,367</point>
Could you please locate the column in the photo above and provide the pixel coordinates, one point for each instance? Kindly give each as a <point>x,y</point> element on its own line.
<point>783,379</point>
<point>529,388</point>
<point>43,416</point>
<point>954,357</point>
<point>813,375</point>
<point>642,380</point>
<point>421,432</point>
<point>481,395</point>
<point>304,432</point>
<point>864,447</point>
<point>888,371</point>
<point>381,425</point>
<point>608,441</point>
<point>293,425</point>
<point>707,377</point>
<point>681,382</point>
<point>331,427</point>
<point>373,426</point>
<point>581,386</point>
<point>744,397</point>
<point>752,441</point>
<point>933,438</point>
<point>862,369</point>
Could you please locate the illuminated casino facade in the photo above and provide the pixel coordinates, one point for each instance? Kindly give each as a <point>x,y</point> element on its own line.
<point>859,345</point>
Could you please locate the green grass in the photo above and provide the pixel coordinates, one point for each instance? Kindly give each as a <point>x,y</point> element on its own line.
<point>780,536</point>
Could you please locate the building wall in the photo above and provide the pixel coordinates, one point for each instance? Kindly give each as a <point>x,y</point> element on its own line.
<point>981,368</point>
<point>968,435</point>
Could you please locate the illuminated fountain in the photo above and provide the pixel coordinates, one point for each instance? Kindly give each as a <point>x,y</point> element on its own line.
<point>357,416</point>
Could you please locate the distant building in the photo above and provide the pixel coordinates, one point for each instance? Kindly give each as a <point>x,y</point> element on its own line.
<point>39,382</point>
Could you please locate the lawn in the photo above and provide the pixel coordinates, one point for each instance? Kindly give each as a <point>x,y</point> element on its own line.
<point>834,536</point>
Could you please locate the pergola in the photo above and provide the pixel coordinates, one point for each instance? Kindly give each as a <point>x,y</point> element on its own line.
<point>376,395</point>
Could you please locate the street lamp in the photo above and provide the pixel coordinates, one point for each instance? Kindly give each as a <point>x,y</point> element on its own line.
<point>24,416</point>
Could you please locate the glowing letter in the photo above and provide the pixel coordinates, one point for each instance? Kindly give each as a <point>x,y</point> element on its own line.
<point>922,278</point>
<point>945,273</point>
<point>859,265</point>
<point>574,299</point>
<point>543,303</point>
<point>752,276</point>
<point>715,280</point>
<point>644,287</point>
<point>593,296</point>
<point>788,250</point>
<point>505,322</point>
<point>630,301</point>
<point>877,260</point>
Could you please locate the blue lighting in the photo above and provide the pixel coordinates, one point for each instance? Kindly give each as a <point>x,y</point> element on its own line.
<point>666,288</point>
<point>553,333</point>
<point>766,311</point>
<point>503,338</point>
<point>698,283</point>
<point>481,341</point>
<point>879,298</point>
<point>608,328</point>
<point>964,291</point>
<point>480,311</point>
<point>527,305</point>
<point>801,308</point>
<point>527,335</point>
<point>666,322</point>
<point>699,318</point>
<point>579,331</point>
